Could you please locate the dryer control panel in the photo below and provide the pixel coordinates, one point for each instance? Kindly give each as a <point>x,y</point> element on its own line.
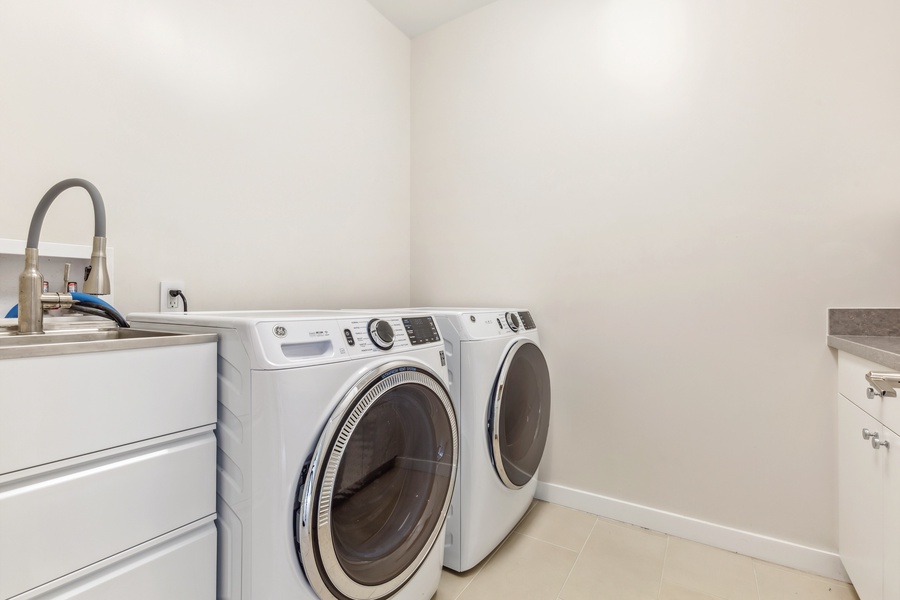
<point>494,323</point>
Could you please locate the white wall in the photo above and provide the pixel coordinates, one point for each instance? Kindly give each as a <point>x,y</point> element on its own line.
<point>678,189</point>
<point>259,151</point>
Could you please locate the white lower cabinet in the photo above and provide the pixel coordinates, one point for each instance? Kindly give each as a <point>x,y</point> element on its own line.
<point>868,486</point>
<point>109,494</point>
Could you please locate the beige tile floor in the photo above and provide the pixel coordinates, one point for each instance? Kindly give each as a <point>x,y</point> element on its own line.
<point>557,553</point>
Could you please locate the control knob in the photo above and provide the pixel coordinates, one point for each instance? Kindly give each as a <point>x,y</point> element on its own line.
<point>512,320</point>
<point>381,333</point>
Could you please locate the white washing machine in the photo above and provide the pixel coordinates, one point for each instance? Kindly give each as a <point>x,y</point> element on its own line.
<point>337,453</point>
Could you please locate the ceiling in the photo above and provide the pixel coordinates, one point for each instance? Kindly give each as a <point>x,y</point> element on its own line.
<point>413,17</point>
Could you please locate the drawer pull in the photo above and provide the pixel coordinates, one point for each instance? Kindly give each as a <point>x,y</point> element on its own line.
<point>883,384</point>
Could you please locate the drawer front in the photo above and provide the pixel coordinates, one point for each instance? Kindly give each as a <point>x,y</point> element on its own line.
<point>180,567</point>
<point>853,385</point>
<point>57,407</point>
<point>55,522</point>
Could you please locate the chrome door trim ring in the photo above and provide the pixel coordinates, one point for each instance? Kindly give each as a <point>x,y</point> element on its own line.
<point>314,536</point>
<point>497,454</point>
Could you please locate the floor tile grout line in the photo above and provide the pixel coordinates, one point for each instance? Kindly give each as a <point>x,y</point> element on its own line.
<point>756,579</point>
<point>662,571</point>
<point>537,539</point>
<point>474,577</point>
<point>484,564</point>
<point>468,583</point>
<point>459,595</point>
<point>593,526</point>
<point>577,558</point>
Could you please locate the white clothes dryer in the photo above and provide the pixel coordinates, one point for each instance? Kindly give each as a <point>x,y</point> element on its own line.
<point>337,452</point>
<point>500,386</point>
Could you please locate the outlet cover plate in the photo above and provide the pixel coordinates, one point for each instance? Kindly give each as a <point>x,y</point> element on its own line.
<point>164,299</point>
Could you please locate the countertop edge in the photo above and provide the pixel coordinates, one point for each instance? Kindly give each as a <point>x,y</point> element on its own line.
<point>868,348</point>
<point>64,348</point>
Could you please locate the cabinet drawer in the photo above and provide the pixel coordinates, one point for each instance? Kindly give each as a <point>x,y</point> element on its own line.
<point>140,394</point>
<point>180,566</point>
<point>852,385</point>
<point>58,520</point>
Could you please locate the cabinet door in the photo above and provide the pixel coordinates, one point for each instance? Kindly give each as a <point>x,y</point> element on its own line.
<point>891,456</point>
<point>860,501</point>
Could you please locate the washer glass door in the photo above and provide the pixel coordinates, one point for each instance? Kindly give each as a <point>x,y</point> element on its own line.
<point>519,417</point>
<point>379,485</point>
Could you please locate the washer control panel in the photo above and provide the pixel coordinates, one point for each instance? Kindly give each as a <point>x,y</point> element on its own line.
<point>421,330</point>
<point>373,335</point>
<point>287,342</point>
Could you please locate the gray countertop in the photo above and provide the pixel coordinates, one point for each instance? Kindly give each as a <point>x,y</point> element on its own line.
<point>870,333</point>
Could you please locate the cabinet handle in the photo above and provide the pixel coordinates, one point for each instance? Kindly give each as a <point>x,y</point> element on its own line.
<point>868,434</point>
<point>883,384</point>
<point>876,443</point>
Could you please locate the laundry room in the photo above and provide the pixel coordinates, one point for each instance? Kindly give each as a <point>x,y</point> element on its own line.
<point>677,194</point>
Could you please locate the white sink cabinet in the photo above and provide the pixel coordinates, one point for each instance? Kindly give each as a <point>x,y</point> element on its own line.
<point>868,482</point>
<point>108,473</point>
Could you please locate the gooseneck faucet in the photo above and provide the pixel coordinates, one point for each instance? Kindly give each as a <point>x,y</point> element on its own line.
<point>32,300</point>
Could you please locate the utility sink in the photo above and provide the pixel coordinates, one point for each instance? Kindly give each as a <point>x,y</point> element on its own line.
<point>72,337</point>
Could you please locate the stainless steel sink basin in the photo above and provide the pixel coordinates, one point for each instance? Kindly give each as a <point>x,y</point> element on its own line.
<point>75,338</point>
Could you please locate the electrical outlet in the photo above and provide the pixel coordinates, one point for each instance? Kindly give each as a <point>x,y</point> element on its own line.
<point>166,302</point>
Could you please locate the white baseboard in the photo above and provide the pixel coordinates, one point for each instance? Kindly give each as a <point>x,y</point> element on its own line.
<point>781,552</point>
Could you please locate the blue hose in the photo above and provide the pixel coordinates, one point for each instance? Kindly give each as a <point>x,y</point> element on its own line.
<point>79,297</point>
<point>76,296</point>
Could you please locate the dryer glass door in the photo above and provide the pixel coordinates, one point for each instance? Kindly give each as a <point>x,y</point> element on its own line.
<point>520,414</point>
<point>379,485</point>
